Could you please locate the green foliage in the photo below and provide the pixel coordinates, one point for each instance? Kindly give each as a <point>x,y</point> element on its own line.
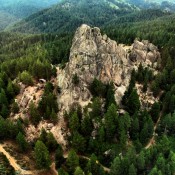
<point>49,140</point>
<point>155,110</point>
<point>23,145</point>
<point>92,12</point>
<point>111,122</point>
<point>97,88</point>
<point>116,167</point>
<point>9,129</point>
<point>34,114</point>
<point>47,105</point>
<point>78,171</point>
<point>59,156</point>
<point>42,155</point>
<point>72,161</point>
<point>74,122</point>
<point>15,108</point>
<point>96,109</point>
<point>133,104</point>
<point>78,142</point>
<point>132,170</point>
<point>26,78</point>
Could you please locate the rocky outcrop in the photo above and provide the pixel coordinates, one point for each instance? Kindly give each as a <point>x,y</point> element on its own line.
<point>95,55</point>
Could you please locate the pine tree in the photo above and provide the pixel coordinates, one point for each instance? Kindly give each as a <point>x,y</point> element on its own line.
<point>155,110</point>
<point>135,128</point>
<point>116,167</point>
<point>161,163</point>
<point>34,114</point>
<point>42,155</point>
<point>59,156</point>
<point>15,108</point>
<point>23,145</point>
<point>10,90</point>
<point>53,116</point>
<point>133,104</point>
<point>4,111</point>
<point>51,142</point>
<point>78,142</point>
<point>132,170</point>
<point>111,121</point>
<point>3,98</point>
<point>78,171</point>
<point>141,161</point>
<point>74,122</point>
<point>72,161</point>
<point>86,126</point>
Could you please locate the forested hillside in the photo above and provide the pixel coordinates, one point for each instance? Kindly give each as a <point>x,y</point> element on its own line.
<point>96,135</point>
<point>12,11</point>
<point>68,15</point>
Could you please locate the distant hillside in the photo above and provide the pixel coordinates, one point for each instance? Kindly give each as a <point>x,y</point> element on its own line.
<point>164,5</point>
<point>11,11</point>
<point>160,31</point>
<point>70,14</point>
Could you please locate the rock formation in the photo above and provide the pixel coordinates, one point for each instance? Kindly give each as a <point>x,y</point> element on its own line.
<point>95,55</point>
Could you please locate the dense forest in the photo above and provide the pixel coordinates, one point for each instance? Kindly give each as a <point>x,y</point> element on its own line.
<point>12,11</point>
<point>102,140</point>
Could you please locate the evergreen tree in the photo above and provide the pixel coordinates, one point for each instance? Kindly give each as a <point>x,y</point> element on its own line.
<point>3,98</point>
<point>78,142</point>
<point>141,161</point>
<point>61,171</point>
<point>110,96</point>
<point>111,119</point>
<point>59,156</point>
<point>86,126</point>
<point>34,114</point>
<point>116,167</point>
<point>92,165</point>
<point>132,170</point>
<point>26,78</point>
<point>72,161</point>
<point>23,145</point>
<point>155,110</point>
<point>43,136</point>
<point>53,116</point>
<point>4,111</point>
<point>10,90</point>
<point>135,127</point>
<point>74,122</point>
<point>96,109</point>
<point>42,155</point>
<point>78,171</point>
<point>51,142</point>
<point>161,163</point>
<point>133,104</point>
<point>15,108</point>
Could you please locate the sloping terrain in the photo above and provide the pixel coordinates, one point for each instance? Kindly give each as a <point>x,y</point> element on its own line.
<point>68,15</point>
<point>12,11</point>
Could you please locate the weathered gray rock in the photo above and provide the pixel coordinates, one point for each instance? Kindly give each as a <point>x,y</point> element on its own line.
<point>93,55</point>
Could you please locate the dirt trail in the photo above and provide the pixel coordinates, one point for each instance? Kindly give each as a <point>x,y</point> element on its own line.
<point>152,140</point>
<point>13,162</point>
<point>87,158</point>
<point>97,162</point>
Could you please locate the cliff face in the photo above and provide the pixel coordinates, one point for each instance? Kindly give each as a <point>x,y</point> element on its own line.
<point>95,55</point>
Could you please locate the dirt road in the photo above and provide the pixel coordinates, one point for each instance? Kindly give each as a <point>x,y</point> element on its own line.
<point>13,162</point>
